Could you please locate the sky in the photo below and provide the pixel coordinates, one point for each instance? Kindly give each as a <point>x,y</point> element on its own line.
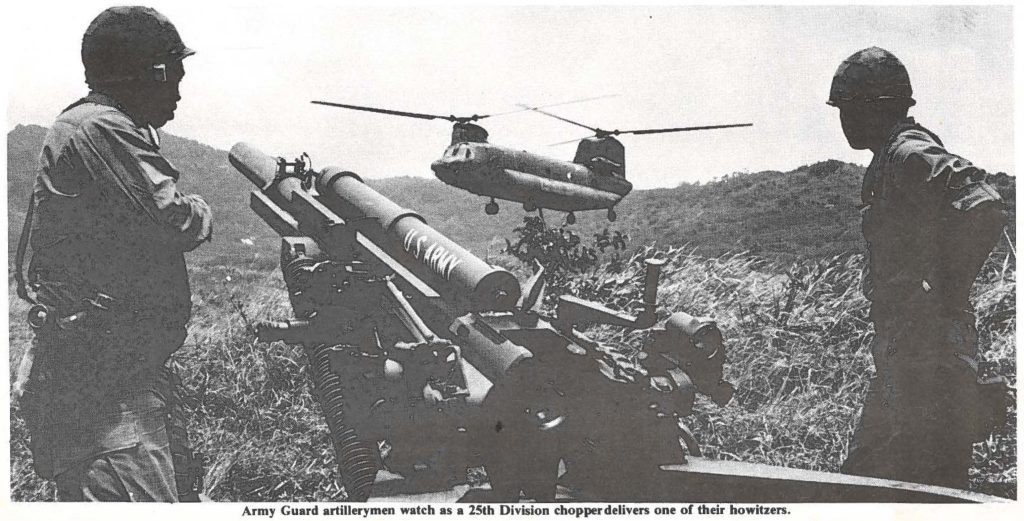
<point>259,64</point>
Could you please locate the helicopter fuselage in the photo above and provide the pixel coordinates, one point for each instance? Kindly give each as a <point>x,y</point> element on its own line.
<point>534,180</point>
<point>595,179</point>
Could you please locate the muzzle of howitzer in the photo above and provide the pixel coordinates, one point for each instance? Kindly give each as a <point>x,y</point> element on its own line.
<point>451,270</point>
<point>256,166</point>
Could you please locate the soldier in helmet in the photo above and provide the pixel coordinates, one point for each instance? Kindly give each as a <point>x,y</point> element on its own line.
<point>930,221</point>
<point>107,228</point>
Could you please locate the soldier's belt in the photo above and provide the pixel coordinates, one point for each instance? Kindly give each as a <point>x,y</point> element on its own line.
<point>41,316</point>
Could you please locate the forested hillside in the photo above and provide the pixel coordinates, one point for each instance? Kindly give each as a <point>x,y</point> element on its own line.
<point>809,212</point>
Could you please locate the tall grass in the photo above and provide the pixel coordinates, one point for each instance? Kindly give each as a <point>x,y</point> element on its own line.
<point>797,336</point>
<point>798,342</point>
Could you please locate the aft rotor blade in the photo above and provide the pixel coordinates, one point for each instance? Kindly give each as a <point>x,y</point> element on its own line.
<point>560,118</point>
<point>560,103</point>
<point>386,111</point>
<point>679,129</point>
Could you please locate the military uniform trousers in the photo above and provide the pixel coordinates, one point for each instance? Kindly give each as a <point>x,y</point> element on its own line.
<point>101,444</point>
<point>917,423</point>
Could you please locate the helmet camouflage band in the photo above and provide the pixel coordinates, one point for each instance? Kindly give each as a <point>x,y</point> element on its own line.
<point>123,44</point>
<point>870,75</point>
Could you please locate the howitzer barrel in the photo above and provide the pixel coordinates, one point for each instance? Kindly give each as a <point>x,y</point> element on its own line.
<point>406,236</point>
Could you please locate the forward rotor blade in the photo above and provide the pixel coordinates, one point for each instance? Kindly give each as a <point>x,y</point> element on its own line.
<point>525,108</point>
<point>560,118</point>
<point>386,111</point>
<point>679,129</point>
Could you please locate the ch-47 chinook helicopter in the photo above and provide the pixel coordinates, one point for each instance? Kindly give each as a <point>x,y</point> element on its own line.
<point>595,179</point>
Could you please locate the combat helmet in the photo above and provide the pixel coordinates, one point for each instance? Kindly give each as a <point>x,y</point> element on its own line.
<point>128,43</point>
<point>869,75</point>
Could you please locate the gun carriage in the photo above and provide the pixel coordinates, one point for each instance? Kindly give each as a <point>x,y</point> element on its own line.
<point>427,361</point>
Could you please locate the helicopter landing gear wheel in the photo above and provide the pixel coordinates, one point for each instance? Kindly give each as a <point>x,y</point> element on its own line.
<point>612,215</point>
<point>491,208</point>
<point>570,218</point>
<point>529,207</point>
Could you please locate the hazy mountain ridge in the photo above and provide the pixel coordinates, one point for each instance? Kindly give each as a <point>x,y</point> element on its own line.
<point>811,211</point>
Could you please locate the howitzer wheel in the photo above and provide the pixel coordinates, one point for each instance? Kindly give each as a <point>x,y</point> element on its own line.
<point>570,218</point>
<point>612,216</point>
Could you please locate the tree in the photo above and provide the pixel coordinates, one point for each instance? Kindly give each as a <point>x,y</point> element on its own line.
<point>561,251</point>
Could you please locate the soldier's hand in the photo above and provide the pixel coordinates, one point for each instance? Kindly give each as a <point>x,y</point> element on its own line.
<point>21,379</point>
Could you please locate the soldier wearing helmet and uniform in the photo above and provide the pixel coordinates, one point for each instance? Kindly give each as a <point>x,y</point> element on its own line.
<point>930,221</point>
<point>108,228</point>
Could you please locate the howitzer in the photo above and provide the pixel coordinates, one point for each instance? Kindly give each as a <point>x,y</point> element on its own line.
<point>427,361</point>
